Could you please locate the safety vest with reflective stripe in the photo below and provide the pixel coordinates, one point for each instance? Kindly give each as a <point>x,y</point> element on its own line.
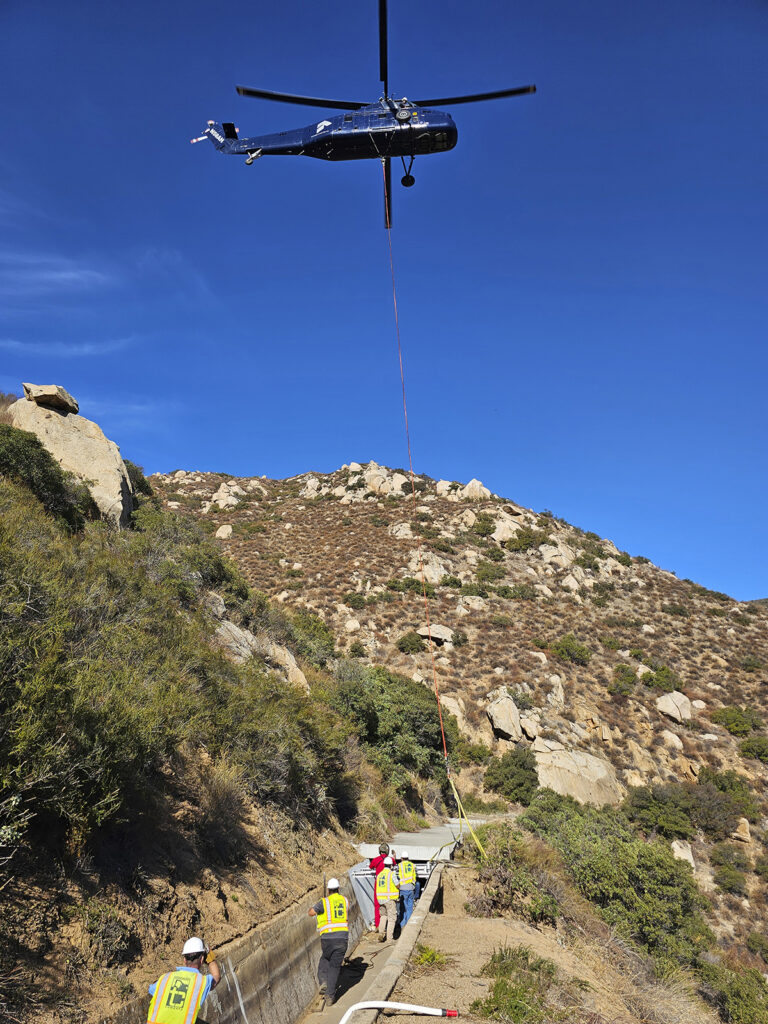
<point>386,886</point>
<point>407,871</point>
<point>177,998</point>
<point>333,917</point>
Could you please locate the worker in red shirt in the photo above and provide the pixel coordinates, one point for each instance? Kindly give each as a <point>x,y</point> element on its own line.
<point>376,864</point>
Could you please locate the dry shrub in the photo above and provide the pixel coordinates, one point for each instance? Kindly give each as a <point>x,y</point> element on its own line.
<point>6,401</point>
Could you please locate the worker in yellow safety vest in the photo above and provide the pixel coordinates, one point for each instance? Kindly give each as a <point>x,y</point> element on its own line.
<point>332,915</point>
<point>388,895</point>
<point>409,887</point>
<point>178,995</point>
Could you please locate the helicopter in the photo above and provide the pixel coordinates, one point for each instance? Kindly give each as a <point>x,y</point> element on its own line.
<point>389,129</point>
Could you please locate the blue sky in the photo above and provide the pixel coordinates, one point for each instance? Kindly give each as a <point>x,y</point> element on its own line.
<point>581,282</point>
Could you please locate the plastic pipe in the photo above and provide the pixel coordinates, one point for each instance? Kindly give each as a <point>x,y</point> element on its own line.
<point>430,1011</point>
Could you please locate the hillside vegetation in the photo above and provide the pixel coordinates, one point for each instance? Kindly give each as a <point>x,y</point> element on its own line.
<point>155,779</point>
<point>122,719</point>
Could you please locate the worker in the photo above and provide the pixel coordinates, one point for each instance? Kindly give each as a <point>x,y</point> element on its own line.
<point>376,864</point>
<point>333,925</point>
<point>409,885</point>
<point>388,895</point>
<point>178,995</point>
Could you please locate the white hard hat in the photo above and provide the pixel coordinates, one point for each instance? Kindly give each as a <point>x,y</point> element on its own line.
<point>333,883</point>
<point>388,860</point>
<point>193,947</point>
<point>403,855</point>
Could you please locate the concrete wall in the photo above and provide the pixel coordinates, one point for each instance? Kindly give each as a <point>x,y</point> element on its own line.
<point>269,976</point>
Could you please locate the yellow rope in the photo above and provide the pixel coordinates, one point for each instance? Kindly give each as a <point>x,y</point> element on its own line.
<point>463,814</point>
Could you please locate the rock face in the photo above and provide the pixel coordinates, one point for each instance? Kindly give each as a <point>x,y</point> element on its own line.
<point>505,718</point>
<point>52,396</point>
<point>588,779</point>
<point>674,705</point>
<point>440,634</point>
<point>240,644</point>
<point>681,850</point>
<point>79,446</point>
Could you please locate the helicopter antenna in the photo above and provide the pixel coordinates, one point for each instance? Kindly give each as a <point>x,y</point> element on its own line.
<point>383,70</point>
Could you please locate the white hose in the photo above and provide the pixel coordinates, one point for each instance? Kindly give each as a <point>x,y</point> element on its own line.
<point>376,1004</point>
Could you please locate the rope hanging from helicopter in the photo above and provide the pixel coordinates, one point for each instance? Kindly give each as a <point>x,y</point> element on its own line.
<point>462,813</point>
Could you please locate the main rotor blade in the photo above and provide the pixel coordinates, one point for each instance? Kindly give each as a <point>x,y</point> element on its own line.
<point>304,101</point>
<point>387,193</point>
<point>383,69</point>
<point>477,97</point>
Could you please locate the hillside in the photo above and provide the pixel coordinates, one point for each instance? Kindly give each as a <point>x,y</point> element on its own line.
<point>190,741</point>
<point>587,640</point>
<point>514,583</point>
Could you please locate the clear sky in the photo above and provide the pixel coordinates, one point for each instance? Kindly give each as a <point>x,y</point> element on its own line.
<point>581,282</point>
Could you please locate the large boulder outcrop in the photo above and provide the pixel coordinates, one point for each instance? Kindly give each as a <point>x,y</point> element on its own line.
<point>505,718</point>
<point>586,778</point>
<point>674,705</point>
<point>78,445</point>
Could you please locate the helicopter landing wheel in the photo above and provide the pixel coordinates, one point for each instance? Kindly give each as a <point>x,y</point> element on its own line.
<point>249,160</point>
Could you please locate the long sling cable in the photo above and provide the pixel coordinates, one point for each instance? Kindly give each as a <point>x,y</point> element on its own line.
<point>462,812</point>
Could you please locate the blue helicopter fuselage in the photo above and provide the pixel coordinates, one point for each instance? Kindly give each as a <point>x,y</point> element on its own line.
<point>384,129</point>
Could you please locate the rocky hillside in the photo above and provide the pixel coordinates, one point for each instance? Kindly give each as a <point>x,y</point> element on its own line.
<point>590,639</point>
<point>615,672</point>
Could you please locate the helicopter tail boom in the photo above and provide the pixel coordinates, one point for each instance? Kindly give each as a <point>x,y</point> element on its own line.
<point>223,135</point>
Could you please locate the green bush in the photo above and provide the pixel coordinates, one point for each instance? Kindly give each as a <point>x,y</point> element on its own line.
<point>521,981</point>
<point>730,855</point>
<point>758,944</point>
<point>665,810</point>
<point>676,810</point>
<point>353,600</point>
<point>489,572</point>
<point>739,721</point>
<point>494,554</point>
<point>611,643</point>
<point>518,592</point>
<point>755,746</point>
<point>139,482</point>
<point>741,996</point>
<point>409,585</point>
<point>624,679</point>
<point>356,650</point>
<point>568,648</point>
<point>513,775</point>
<point>738,787</point>
<point>624,558</point>
<point>24,460</point>
<point>731,880</point>
<point>474,590</point>
<point>460,638</point>
<point>526,538</point>
<point>663,678</point>
<point>396,720</point>
<point>636,883</point>
<point>410,643</point>
<point>484,525</point>
<point>751,663</point>
<point>761,868</point>
<point>451,581</point>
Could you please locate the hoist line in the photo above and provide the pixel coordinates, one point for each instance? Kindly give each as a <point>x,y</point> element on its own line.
<point>462,813</point>
<point>410,469</point>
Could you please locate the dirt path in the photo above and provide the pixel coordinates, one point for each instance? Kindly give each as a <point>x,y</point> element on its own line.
<point>604,995</point>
